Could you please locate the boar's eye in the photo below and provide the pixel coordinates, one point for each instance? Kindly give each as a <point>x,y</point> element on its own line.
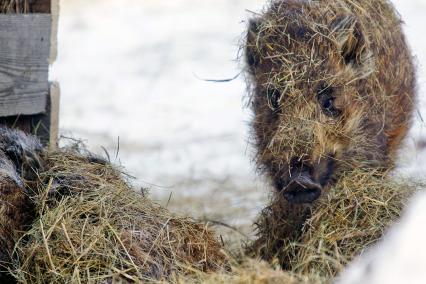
<point>326,99</point>
<point>273,98</point>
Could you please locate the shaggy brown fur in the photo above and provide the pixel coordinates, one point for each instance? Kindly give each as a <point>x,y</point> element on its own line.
<point>18,160</point>
<point>12,195</point>
<point>332,88</point>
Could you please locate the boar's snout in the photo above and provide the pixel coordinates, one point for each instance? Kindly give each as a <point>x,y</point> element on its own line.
<point>301,186</point>
<point>302,189</point>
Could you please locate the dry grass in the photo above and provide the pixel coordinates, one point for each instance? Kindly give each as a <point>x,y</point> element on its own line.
<point>251,271</point>
<point>14,6</point>
<point>353,215</point>
<point>92,227</point>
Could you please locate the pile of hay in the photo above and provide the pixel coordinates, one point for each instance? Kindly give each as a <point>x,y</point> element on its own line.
<point>91,227</point>
<point>351,216</point>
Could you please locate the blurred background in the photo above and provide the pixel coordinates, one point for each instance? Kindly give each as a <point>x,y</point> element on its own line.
<point>131,73</point>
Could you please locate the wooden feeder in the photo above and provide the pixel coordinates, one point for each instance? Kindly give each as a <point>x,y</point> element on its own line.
<point>28,46</point>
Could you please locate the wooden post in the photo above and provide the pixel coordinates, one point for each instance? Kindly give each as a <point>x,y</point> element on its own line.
<point>53,112</point>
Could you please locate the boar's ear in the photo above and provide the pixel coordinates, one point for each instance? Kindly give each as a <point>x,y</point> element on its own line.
<point>252,56</point>
<point>350,39</point>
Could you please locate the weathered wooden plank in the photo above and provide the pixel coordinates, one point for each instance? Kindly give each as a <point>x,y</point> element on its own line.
<point>24,63</point>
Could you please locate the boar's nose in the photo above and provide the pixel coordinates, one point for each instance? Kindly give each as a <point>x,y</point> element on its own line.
<point>302,188</point>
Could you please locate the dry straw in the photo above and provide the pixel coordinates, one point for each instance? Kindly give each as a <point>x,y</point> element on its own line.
<point>253,272</point>
<point>352,216</point>
<point>15,6</point>
<point>93,228</point>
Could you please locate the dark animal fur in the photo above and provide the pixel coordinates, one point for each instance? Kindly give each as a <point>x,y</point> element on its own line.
<point>19,160</point>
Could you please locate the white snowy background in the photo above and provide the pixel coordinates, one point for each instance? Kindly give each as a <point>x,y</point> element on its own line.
<point>130,73</point>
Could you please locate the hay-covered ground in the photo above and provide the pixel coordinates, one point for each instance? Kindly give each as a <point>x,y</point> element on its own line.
<point>129,69</point>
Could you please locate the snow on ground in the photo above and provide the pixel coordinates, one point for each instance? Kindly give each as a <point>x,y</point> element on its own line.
<point>130,75</point>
